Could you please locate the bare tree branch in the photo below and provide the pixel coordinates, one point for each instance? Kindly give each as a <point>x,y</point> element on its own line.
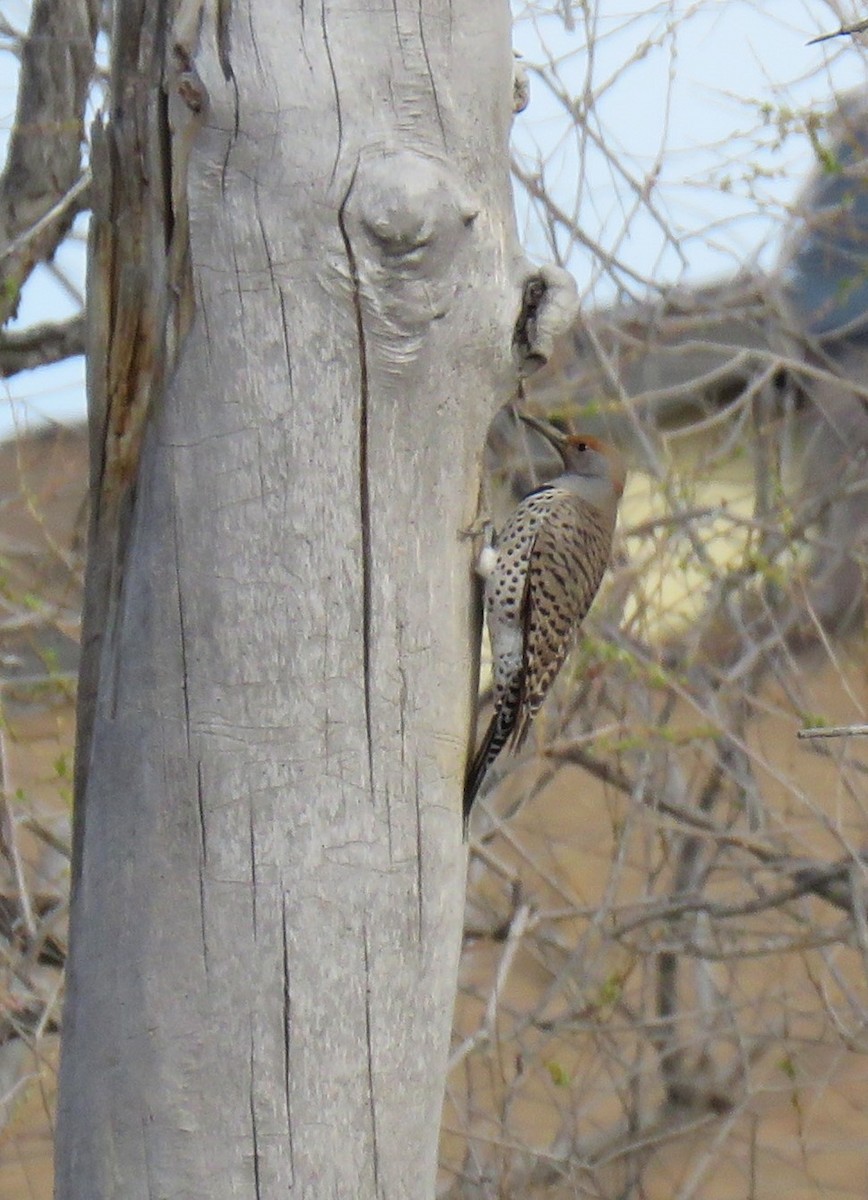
<point>40,345</point>
<point>44,159</point>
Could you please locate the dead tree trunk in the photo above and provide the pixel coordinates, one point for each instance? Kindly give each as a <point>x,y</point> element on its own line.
<point>278,676</point>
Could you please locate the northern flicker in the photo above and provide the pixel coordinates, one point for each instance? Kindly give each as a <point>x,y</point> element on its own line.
<point>540,579</point>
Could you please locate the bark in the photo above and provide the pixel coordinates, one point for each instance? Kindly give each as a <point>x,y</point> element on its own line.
<point>279,635</point>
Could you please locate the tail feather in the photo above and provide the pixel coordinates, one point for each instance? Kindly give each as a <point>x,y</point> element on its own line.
<point>495,739</point>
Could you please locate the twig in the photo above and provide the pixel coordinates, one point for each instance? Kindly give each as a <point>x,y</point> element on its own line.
<point>859,27</point>
<point>75,198</point>
<point>833,731</point>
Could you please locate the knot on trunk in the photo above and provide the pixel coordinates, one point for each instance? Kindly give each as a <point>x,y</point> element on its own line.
<point>407,220</point>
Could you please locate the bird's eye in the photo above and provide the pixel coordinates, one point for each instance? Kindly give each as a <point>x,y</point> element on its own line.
<point>582,446</point>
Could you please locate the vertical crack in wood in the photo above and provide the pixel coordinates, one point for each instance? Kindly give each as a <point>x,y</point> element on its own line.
<point>203,859</point>
<point>364,480</point>
<point>253,881</point>
<point>200,801</point>
<point>338,113</point>
<point>257,1183</point>
<point>285,327</point>
<point>287,1019</point>
<point>370,1060</point>
<point>224,45</point>
<point>434,96</point>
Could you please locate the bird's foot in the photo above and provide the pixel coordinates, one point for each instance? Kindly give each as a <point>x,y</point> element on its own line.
<point>474,530</point>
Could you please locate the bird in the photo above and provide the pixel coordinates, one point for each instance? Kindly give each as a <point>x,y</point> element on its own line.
<point>540,578</point>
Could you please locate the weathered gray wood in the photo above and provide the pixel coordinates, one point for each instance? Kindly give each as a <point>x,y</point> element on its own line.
<point>269,871</point>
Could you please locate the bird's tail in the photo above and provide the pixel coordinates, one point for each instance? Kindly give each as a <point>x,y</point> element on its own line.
<point>495,738</point>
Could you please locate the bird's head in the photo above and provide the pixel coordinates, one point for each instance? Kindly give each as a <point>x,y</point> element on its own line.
<point>594,469</point>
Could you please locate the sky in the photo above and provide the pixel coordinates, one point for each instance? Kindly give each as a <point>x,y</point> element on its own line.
<point>700,100</point>
<point>690,148</point>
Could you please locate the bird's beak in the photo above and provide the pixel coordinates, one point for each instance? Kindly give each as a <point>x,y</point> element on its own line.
<point>553,436</point>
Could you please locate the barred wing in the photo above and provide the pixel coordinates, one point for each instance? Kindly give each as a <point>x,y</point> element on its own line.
<point>568,559</point>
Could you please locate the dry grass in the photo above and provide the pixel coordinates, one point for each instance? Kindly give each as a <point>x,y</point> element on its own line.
<point>42,489</point>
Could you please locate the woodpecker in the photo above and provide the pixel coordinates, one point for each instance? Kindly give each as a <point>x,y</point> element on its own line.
<point>540,579</point>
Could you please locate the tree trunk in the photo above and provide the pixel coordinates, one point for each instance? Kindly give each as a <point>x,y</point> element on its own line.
<point>279,668</point>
